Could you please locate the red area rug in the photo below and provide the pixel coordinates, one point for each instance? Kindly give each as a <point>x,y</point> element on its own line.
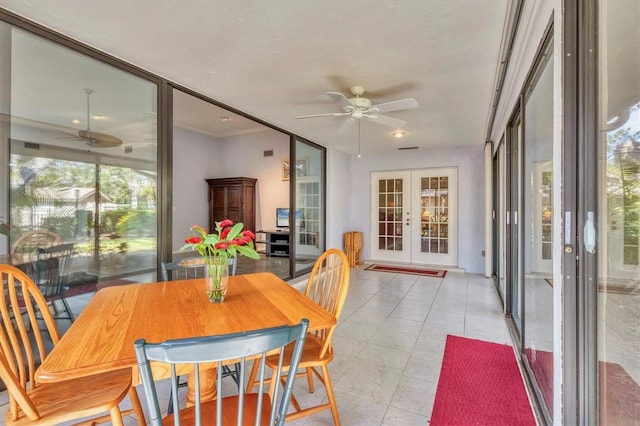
<point>480,384</point>
<point>413,271</point>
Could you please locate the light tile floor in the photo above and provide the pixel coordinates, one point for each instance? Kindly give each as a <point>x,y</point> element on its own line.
<point>389,344</point>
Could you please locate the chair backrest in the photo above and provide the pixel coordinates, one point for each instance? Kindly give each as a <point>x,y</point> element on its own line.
<point>22,342</point>
<point>51,269</point>
<point>33,240</point>
<point>188,268</point>
<point>328,285</point>
<point>243,347</point>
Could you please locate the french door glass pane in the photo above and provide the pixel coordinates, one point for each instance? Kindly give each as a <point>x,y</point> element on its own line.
<point>390,214</point>
<point>434,214</point>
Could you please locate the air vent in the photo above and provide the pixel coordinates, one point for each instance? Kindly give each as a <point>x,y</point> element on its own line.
<point>268,153</point>
<point>407,147</point>
<point>31,145</point>
<point>128,149</point>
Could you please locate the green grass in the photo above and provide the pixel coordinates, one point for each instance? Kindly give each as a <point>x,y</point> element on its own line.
<point>118,245</point>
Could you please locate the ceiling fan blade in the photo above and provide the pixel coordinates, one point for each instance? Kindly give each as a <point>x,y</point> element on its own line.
<point>333,114</point>
<point>339,97</point>
<point>384,120</point>
<point>394,90</point>
<point>99,140</point>
<point>406,103</point>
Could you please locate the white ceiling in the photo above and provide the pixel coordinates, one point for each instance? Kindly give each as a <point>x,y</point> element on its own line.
<point>275,60</point>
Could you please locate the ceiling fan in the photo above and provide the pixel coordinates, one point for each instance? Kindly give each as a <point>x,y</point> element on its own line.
<point>94,139</point>
<point>358,107</point>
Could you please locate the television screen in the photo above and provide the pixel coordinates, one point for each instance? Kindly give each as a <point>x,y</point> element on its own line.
<point>282,217</point>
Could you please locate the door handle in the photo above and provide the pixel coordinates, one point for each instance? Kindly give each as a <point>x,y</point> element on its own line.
<point>589,234</point>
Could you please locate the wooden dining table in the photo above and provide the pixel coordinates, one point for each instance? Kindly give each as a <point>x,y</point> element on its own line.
<point>102,336</point>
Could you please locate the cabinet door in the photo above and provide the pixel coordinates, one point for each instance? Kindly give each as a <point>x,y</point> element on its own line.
<point>233,208</point>
<point>217,210</point>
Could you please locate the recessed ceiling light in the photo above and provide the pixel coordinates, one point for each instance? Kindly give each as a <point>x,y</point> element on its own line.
<point>224,118</point>
<point>98,117</point>
<point>76,121</point>
<point>398,134</point>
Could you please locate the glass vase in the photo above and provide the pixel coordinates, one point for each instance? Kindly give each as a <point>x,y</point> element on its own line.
<point>217,281</point>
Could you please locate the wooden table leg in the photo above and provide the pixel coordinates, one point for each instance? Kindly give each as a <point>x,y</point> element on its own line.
<point>208,391</point>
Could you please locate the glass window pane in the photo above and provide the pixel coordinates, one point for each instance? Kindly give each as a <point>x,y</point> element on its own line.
<point>83,160</point>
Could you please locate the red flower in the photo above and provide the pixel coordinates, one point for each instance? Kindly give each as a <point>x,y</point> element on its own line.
<point>225,223</point>
<point>224,233</point>
<point>193,240</point>
<point>249,234</point>
<point>221,246</point>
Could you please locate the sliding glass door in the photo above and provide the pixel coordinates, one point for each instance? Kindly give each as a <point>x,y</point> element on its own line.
<point>612,217</point>
<point>81,158</point>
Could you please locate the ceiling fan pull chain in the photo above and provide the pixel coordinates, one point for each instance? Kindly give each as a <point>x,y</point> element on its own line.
<point>359,124</point>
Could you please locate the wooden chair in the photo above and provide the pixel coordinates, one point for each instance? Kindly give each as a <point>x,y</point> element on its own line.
<point>23,346</point>
<point>328,285</point>
<point>31,241</point>
<point>266,407</point>
<point>50,271</point>
<point>188,268</point>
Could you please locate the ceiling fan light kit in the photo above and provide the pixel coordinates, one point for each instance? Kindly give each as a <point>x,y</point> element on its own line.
<point>358,107</point>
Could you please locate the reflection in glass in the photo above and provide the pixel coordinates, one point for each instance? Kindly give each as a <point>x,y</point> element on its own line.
<point>618,303</point>
<point>537,231</point>
<point>83,159</point>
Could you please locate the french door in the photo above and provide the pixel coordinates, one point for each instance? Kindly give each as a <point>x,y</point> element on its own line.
<point>414,216</point>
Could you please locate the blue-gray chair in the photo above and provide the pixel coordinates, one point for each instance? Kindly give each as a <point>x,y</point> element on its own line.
<point>240,409</point>
<point>188,268</point>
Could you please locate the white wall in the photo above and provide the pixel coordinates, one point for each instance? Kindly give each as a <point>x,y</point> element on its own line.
<point>197,157</point>
<point>339,200</point>
<point>194,160</point>
<point>471,208</point>
<point>243,155</point>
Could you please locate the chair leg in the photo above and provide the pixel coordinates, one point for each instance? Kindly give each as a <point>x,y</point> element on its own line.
<point>137,406</point>
<point>330,395</point>
<point>252,376</point>
<point>310,380</point>
<point>116,416</point>
<point>68,309</point>
<point>178,385</point>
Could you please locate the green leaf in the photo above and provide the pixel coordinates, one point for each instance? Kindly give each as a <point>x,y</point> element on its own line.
<point>248,251</point>
<point>235,230</point>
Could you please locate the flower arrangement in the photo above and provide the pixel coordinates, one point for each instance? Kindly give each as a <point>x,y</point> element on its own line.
<point>218,248</point>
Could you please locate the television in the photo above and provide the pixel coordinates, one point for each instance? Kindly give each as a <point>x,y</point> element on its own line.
<point>282,217</point>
